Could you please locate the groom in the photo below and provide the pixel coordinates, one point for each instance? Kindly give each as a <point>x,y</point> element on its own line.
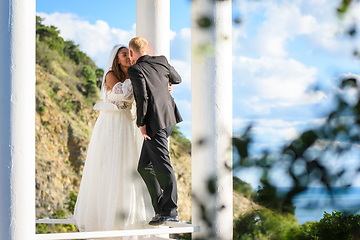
<point>156,116</point>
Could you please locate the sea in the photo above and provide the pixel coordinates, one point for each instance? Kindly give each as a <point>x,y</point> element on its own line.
<point>312,203</point>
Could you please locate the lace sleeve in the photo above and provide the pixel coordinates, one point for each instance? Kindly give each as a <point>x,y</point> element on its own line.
<point>122,91</point>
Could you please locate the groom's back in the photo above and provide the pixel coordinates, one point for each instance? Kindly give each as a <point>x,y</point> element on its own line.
<point>157,73</point>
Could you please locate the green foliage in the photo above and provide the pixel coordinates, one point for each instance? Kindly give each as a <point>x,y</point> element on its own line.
<point>99,72</point>
<point>42,108</point>
<point>242,187</point>
<point>266,196</point>
<point>88,73</point>
<point>50,35</point>
<point>99,76</point>
<point>265,224</point>
<point>181,139</point>
<point>336,226</point>
<point>91,86</point>
<point>183,236</point>
<point>71,201</point>
<point>42,228</point>
<point>45,55</point>
<point>68,106</point>
<point>59,214</point>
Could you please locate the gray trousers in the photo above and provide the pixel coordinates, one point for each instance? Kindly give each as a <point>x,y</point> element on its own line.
<point>156,170</point>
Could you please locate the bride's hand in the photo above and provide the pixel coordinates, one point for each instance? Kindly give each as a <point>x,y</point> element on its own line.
<point>170,88</point>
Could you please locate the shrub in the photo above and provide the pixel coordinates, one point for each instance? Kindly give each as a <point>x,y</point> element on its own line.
<point>71,201</point>
<point>181,139</point>
<point>242,187</point>
<point>265,224</point>
<point>336,226</point>
<point>42,108</point>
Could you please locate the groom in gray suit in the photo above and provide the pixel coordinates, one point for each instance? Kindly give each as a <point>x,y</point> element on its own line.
<point>157,114</point>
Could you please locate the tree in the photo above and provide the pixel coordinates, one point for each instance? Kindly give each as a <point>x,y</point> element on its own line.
<point>90,76</point>
<point>336,226</point>
<point>50,35</point>
<point>242,187</point>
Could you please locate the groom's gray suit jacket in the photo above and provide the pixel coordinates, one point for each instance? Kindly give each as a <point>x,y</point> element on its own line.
<point>155,106</point>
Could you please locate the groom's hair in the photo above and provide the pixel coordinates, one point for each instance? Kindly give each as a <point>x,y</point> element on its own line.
<point>138,45</point>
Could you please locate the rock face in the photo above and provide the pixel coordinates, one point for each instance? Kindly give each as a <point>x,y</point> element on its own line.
<point>62,133</point>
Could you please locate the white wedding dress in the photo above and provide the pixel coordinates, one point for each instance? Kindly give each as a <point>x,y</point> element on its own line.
<point>111,195</point>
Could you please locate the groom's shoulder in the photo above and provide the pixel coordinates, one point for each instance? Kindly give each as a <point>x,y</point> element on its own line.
<point>158,61</point>
<point>134,69</point>
<point>160,58</point>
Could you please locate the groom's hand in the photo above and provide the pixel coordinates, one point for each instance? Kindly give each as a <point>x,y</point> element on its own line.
<point>143,132</point>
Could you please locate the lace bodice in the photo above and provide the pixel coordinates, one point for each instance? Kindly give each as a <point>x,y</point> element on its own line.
<point>121,95</point>
<point>118,98</point>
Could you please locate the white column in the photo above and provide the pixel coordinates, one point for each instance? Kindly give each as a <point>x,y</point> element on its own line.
<point>211,86</point>
<point>153,24</point>
<point>17,119</point>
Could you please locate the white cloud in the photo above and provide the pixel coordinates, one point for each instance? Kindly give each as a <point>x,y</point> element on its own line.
<point>266,83</point>
<point>180,45</point>
<point>184,69</point>
<point>96,40</point>
<point>276,130</point>
<point>250,175</point>
<point>281,21</point>
<point>272,134</point>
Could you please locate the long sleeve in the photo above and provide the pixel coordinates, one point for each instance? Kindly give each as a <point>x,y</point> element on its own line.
<point>140,93</point>
<point>174,76</point>
<point>122,92</point>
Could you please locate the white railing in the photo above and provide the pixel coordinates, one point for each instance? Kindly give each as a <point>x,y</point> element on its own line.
<point>167,228</point>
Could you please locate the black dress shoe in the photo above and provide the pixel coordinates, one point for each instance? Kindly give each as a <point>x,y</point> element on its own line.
<point>163,219</point>
<point>158,215</point>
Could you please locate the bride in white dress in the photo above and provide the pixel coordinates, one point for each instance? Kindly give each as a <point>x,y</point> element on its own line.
<point>111,191</point>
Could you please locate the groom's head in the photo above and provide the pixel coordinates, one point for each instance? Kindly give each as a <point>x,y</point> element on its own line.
<point>137,48</point>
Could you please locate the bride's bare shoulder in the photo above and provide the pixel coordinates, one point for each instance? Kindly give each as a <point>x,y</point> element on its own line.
<point>111,79</point>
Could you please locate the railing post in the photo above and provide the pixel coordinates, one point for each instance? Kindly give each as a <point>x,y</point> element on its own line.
<point>211,102</point>
<point>17,119</point>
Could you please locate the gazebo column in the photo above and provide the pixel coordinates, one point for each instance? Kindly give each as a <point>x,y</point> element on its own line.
<point>17,119</point>
<point>211,86</point>
<point>153,24</point>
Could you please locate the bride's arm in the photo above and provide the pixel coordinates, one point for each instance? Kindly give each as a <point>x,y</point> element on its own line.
<point>122,92</point>
<point>111,80</point>
<point>119,92</point>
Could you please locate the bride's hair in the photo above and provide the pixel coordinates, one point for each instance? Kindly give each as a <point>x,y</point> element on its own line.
<point>116,69</point>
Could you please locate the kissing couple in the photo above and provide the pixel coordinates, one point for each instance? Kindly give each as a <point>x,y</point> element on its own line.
<point>137,115</point>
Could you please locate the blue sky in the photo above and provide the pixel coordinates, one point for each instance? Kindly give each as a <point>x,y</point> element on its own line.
<point>281,51</point>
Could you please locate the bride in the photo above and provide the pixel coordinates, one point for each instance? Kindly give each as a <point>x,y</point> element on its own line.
<point>111,191</point>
